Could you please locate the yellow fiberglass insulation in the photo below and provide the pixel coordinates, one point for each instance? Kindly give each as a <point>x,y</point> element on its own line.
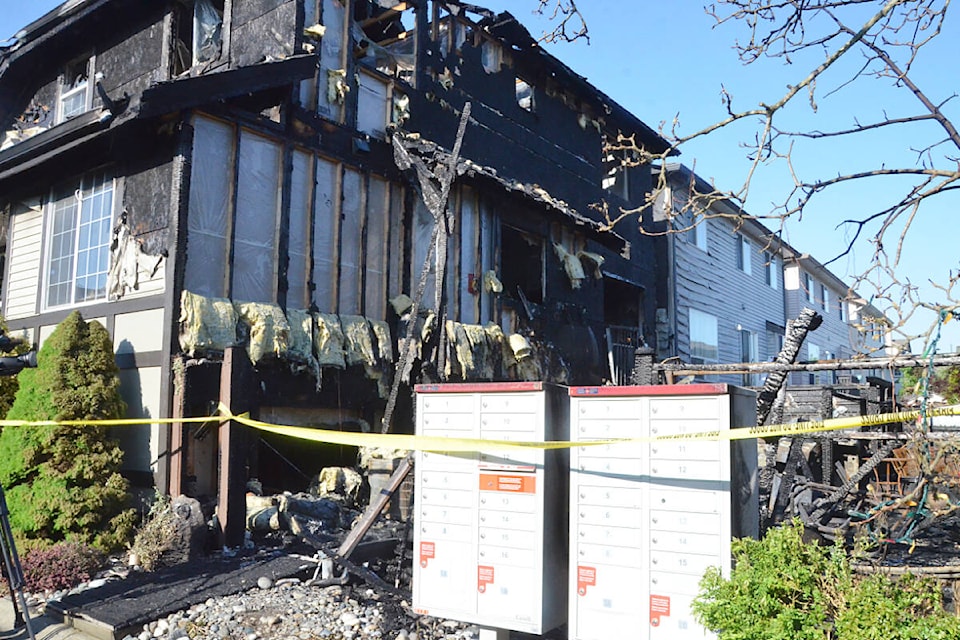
<point>206,323</point>
<point>269,329</point>
<point>328,338</point>
<point>300,348</point>
<point>358,341</point>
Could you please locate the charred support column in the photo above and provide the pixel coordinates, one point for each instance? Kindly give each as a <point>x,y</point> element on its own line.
<point>238,392</point>
<point>643,373</point>
<point>177,451</point>
<point>807,321</point>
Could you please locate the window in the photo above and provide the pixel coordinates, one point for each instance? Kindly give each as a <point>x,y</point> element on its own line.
<point>813,355</point>
<point>79,226</point>
<point>198,31</point>
<point>842,308</point>
<point>524,95</point>
<point>703,337</point>
<point>808,287</point>
<point>74,90</point>
<point>521,264</point>
<point>615,177</point>
<point>700,234</point>
<point>771,272</point>
<point>824,303</point>
<point>743,254</point>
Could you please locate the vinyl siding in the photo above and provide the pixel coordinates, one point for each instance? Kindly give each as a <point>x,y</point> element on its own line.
<point>23,276</point>
<point>710,281</point>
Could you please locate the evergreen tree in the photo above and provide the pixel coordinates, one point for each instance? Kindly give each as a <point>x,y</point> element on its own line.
<point>63,482</point>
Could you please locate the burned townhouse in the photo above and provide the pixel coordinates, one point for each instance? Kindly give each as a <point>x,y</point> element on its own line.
<point>273,202</point>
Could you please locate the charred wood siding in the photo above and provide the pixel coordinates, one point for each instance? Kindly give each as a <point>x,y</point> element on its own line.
<point>261,29</point>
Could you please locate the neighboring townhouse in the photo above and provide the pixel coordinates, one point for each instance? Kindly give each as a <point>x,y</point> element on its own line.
<point>851,327</point>
<point>722,297</point>
<point>205,174</point>
<point>732,286</point>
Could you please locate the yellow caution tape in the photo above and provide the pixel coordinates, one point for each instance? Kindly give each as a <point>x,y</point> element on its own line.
<point>469,445</point>
<point>465,445</point>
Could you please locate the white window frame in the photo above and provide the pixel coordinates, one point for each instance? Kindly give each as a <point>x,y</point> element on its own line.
<point>771,274</point>
<point>69,89</point>
<point>824,298</point>
<point>809,284</point>
<point>92,218</point>
<point>700,234</point>
<point>744,250</point>
<point>842,308</point>
<point>703,331</point>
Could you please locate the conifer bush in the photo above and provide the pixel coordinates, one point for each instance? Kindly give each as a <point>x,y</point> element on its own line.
<point>782,588</point>
<point>63,482</point>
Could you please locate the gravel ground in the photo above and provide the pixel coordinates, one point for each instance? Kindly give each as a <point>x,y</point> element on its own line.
<point>291,610</point>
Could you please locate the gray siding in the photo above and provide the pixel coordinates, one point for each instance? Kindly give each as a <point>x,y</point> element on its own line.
<point>711,281</point>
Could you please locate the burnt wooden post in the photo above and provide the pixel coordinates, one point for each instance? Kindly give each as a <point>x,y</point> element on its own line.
<point>238,392</point>
<point>807,321</point>
<point>177,441</point>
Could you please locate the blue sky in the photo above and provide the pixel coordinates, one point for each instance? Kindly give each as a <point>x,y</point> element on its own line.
<point>665,59</point>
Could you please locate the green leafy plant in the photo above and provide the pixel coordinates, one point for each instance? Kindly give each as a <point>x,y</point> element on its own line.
<point>9,384</point>
<point>782,588</point>
<point>61,566</point>
<point>63,482</point>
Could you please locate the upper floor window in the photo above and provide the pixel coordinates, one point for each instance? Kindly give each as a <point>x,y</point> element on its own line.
<point>75,89</point>
<point>700,234</point>
<point>704,343</point>
<point>198,30</point>
<point>809,288</point>
<point>770,272</point>
<point>824,295</point>
<point>524,95</point>
<point>78,255</point>
<point>842,308</point>
<point>743,254</point>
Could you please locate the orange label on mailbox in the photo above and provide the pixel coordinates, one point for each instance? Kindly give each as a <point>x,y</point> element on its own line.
<point>484,577</point>
<point>586,577</point>
<point>508,483</point>
<point>427,550</point>
<point>659,606</point>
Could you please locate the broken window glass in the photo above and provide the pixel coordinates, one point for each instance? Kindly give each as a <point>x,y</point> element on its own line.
<point>207,28</point>
<point>74,89</point>
<point>524,95</point>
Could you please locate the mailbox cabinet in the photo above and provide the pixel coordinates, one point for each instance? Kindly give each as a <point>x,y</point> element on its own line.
<point>647,518</point>
<point>490,540</point>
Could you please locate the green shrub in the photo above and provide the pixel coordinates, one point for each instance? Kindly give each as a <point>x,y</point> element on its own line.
<point>9,384</point>
<point>782,588</point>
<point>63,482</point>
<point>61,566</point>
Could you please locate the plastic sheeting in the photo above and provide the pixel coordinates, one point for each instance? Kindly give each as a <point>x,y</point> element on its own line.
<point>257,219</point>
<point>301,193</point>
<point>207,29</point>
<point>326,221</point>
<point>206,323</point>
<point>208,225</point>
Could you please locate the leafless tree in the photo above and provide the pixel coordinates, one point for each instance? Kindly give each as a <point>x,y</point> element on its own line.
<point>834,46</point>
<point>569,24</point>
